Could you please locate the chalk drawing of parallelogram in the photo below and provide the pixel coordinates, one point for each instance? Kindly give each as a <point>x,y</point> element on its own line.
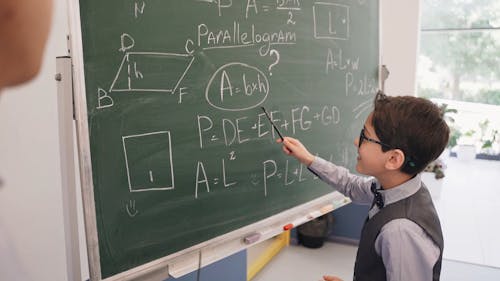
<point>151,72</point>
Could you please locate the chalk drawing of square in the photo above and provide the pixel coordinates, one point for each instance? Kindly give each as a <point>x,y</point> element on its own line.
<point>331,21</point>
<point>151,72</point>
<point>148,159</point>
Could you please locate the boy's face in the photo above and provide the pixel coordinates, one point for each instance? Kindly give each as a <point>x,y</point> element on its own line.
<point>371,158</point>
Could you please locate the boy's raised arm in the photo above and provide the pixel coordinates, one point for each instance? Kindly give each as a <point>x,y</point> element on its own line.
<point>296,149</point>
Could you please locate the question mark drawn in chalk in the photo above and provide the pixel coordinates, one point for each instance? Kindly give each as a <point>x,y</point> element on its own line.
<point>273,51</point>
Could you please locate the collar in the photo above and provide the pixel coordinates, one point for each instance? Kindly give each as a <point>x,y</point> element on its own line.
<point>397,193</point>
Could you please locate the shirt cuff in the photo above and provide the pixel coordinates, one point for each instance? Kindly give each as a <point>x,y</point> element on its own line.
<point>319,164</point>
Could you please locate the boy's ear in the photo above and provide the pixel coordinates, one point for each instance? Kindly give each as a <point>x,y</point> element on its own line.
<point>396,159</point>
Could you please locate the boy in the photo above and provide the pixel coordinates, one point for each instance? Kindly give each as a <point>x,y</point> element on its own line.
<point>401,238</point>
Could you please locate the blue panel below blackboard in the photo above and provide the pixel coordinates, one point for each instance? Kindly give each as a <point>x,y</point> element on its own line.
<point>232,268</point>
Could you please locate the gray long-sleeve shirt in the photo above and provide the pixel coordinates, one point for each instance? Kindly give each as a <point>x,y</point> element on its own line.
<point>409,254</point>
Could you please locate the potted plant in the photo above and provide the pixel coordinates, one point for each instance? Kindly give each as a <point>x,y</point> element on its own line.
<point>488,140</point>
<point>437,167</point>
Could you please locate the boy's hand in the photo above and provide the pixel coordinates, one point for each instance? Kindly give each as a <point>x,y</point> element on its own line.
<point>296,149</point>
<point>331,278</point>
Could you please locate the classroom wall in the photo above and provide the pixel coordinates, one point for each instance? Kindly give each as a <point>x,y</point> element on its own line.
<point>31,200</point>
<point>399,44</point>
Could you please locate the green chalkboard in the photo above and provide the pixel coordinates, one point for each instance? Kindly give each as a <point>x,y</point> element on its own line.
<point>180,149</point>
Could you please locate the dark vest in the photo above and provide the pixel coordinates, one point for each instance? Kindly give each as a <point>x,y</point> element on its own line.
<point>417,208</point>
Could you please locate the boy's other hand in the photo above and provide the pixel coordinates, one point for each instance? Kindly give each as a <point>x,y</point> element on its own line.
<point>331,278</point>
<point>296,149</point>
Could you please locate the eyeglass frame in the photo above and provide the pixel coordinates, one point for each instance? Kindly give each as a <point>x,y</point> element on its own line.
<point>362,137</point>
<point>408,159</point>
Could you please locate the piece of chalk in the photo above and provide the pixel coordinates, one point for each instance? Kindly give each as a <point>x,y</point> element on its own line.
<point>288,226</point>
<point>252,238</point>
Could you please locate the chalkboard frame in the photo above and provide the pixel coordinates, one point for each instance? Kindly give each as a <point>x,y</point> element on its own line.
<point>186,260</point>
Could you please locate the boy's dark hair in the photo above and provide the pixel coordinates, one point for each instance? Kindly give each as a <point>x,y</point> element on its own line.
<point>414,125</point>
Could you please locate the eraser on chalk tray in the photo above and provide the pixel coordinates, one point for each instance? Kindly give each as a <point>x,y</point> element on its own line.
<point>252,238</point>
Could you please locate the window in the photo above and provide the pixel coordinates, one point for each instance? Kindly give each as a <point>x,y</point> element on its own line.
<point>459,64</point>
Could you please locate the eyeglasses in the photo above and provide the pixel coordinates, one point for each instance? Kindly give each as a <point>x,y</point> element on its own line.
<point>408,159</point>
<point>362,137</point>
